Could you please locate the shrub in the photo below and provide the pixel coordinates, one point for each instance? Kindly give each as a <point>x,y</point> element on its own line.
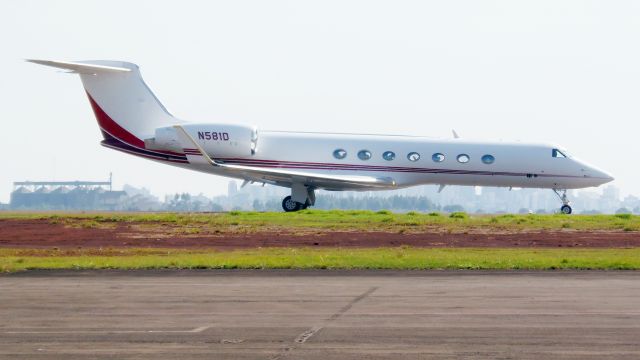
<point>459,215</point>
<point>623,211</point>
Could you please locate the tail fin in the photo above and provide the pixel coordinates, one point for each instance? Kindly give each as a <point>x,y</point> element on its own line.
<point>123,104</point>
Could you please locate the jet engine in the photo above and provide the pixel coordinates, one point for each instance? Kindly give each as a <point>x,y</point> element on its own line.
<point>217,140</point>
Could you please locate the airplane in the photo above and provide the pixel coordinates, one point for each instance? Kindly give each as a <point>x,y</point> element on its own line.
<point>132,120</point>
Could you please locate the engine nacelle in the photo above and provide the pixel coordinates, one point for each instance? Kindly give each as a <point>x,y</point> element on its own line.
<point>218,140</point>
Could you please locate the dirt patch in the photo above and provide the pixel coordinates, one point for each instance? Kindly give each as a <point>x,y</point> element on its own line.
<point>19,233</point>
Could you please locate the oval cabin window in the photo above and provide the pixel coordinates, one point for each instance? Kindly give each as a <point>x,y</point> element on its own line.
<point>463,158</point>
<point>364,154</point>
<point>488,159</point>
<point>340,154</point>
<point>437,157</point>
<point>413,156</point>
<point>389,155</point>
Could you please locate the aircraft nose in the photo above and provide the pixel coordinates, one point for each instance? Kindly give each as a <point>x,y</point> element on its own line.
<point>602,175</point>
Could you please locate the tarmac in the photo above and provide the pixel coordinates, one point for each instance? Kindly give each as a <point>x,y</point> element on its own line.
<point>205,314</point>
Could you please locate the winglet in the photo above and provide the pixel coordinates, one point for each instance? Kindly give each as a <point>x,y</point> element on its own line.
<point>191,148</point>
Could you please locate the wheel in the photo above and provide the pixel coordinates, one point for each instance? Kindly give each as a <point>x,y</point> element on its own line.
<point>289,205</point>
<point>565,209</point>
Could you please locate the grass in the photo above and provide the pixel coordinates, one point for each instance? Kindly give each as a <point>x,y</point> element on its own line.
<point>359,220</point>
<point>12,260</point>
<point>329,258</point>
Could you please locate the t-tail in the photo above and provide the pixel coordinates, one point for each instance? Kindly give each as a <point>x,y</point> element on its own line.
<point>126,109</point>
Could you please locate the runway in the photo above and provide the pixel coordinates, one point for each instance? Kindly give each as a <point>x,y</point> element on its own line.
<point>206,314</point>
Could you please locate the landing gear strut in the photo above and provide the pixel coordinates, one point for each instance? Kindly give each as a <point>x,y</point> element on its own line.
<point>562,194</point>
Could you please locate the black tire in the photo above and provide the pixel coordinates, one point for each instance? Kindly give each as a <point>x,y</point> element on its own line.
<point>566,209</point>
<point>288,205</point>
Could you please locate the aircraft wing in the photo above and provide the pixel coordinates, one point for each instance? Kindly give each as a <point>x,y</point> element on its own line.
<point>324,181</point>
<point>284,177</point>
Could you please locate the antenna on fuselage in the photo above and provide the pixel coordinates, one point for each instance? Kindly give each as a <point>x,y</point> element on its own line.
<point>455,134</point>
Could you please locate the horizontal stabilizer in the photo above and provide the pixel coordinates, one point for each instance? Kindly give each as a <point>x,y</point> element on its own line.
<point>79,67</point>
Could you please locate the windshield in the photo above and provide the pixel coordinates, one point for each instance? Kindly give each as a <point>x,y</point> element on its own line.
<point>556,153</point>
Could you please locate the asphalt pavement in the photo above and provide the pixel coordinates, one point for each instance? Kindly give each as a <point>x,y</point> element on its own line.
<point>205,314</point>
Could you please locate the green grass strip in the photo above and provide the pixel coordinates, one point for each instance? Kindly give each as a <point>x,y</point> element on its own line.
<point>323,258</point>
<point>362,220</point>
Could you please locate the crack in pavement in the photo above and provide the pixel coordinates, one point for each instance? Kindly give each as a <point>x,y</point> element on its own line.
<point>307,334</point>
<point>346,308</point>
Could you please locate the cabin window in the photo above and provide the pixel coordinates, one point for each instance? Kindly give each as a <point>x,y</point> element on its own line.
<point>557,154</point>
<point>364,154</point>
<point>389,155</point>
<point>488,159</point>
<point>340,154</point>
<point>463,158</point>
<point>437,157</point>
<point>413,156</point>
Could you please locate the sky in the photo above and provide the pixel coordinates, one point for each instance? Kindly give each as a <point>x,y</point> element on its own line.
<point>566,72</point>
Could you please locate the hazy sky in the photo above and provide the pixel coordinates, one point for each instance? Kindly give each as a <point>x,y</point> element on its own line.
<point>559,71</point>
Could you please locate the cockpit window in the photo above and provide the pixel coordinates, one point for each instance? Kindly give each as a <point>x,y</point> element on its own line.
<point>557,154</point>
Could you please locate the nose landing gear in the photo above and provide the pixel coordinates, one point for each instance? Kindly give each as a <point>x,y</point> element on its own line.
<point>565,209</point>
<point>562,194</point>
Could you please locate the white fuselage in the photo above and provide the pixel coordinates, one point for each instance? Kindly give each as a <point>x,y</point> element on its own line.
<point>515,164</point>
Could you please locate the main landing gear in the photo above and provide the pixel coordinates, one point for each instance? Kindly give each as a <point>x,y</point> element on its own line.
<point>562,194</point>
<point>301,198</point>
<point>289,205</point>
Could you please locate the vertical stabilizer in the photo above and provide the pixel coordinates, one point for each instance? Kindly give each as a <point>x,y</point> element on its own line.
<point>125,107</point>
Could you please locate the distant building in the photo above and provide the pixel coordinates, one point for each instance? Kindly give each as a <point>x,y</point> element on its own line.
<point>91,195</point>
<point>65,195</point>
<point>232,188</point>
<point>610,200</point>
<point>611,193</point>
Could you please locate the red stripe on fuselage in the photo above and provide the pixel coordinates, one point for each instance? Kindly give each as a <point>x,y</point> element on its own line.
<point>112,127</point>
<point>108,125</point>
